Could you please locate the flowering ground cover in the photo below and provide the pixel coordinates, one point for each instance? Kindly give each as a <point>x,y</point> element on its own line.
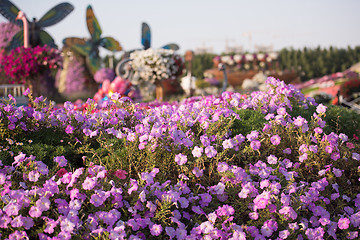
<point>272,165</point>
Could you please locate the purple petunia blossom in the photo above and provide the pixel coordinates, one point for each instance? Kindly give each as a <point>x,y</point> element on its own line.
<point>35,212</point>
<point>180,159</point>
<point>210,151</point>
<point>275,140</point>
<point>272,159</point>
<point>343,223</point>
<point>197,172</point>
<point>12,209</point>
<point>61,160</point>
<point>156,229</point>
<point>69,129</point>
<point>89,183</point>
<point>356,156</point>
<point>321,108</point>
<point>255,145</point>
<point>222,167</point>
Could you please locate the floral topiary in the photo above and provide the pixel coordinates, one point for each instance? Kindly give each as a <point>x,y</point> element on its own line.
<point>349,87</point>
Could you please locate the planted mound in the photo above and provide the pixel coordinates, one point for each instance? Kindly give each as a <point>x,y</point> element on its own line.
<point>232,167</point>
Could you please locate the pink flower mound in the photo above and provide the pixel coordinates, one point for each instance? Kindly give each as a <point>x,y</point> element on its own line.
<point>104,74</point>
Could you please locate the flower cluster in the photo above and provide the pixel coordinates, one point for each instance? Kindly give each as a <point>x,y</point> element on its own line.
<point>349,87</point>
<point>7,31</point>
<point>186,172</point>
<point>26,63</point>
<point>154,65</point>
<point>104,74</point>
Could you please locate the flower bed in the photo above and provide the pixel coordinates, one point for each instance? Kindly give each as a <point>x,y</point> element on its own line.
<point>229,167</point>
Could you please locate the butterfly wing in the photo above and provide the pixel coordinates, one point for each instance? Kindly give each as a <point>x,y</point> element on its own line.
<point>46,39</point>
<point>16,41</point>
<point>93,62</point>
<point>172,46</point>
<point>73,40</point>
<point>110,44</point>
<point>78,44</point>
<point>55,15</point>
<point>93,24</point>
<point>145,36</point>
<point>10,11</point>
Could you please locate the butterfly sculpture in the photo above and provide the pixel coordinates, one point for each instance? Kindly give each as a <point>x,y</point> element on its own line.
<point>146,39</point>
<point>37,36</point>
<point>90,47</point>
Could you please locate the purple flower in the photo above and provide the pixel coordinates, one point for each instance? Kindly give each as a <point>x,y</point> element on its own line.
<point>197,151</point>
<point>222,167</point>
<point>252,136</point>
<point>269,227</point>
<point>61,160</point>
<point>28,222</point>
<point>272,159</point>
<point>156,229</point>
<point>343,223</point>
<point>299,121</point>
<point>255,145</point>
<point>260,202</point>
<point>34,176</point>
<point>275,140</point>
<point>12,209</point>
<point>210,151</point>
<point>321,108</point>
<point>318,130</point>
<point>43,204</point>
<point>69,129</point>
<point>66,225</point>
<point>197,172</point>
<point>38,115</point>
<point>356,156</point>
<point>287,151</point>
<point>180,159</point>
<point>228,143</point>
<point>35,212</point>
<point>89,183</point>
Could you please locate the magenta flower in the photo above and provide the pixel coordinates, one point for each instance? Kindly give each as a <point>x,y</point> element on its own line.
<point>343,223</point>
<point>121,174</point>
<point>69,129</point>
<point>35,212</point>
<point>260,202</point>
<point>156,229</point>
<point>255,145</point>
<point>275,140</point>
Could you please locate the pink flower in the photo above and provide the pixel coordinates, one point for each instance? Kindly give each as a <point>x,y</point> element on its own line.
<point>275,140</point>
<point>61,172</point>
<point>210,151</point>
<point>180,159</point>
<point>156,229</point>
<point>343,223</point>
<point>121,174</point>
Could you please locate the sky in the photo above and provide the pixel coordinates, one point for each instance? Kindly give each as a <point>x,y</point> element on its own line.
<point>210,24</point>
